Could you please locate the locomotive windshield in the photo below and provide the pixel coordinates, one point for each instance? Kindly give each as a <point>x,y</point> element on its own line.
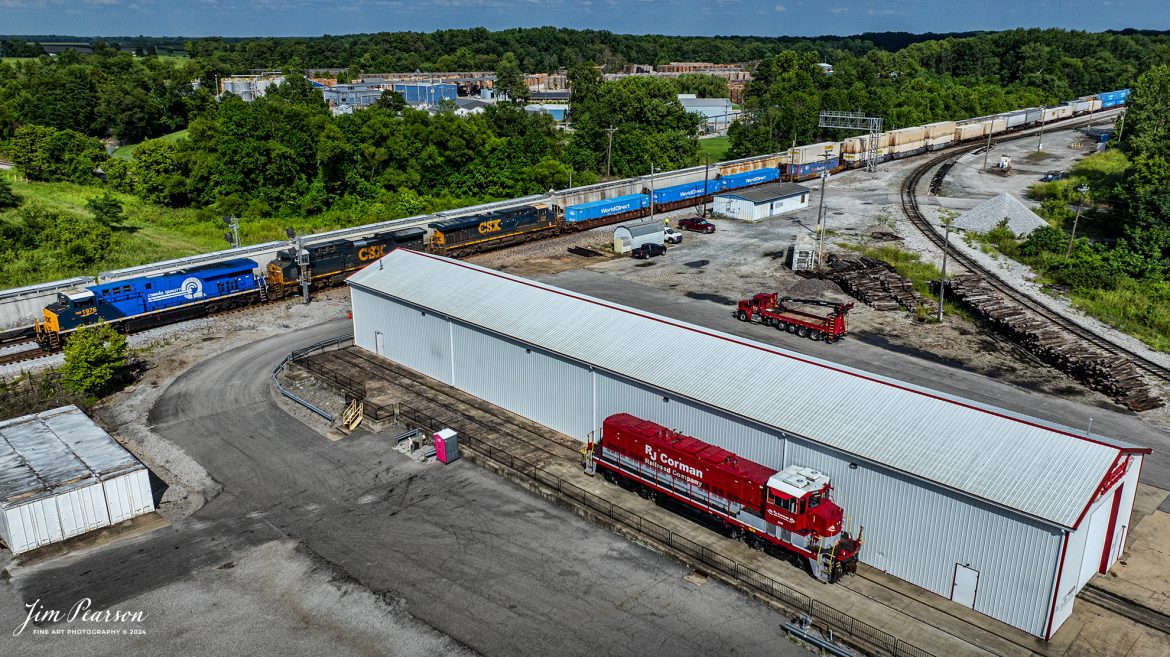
<point>814,499</point>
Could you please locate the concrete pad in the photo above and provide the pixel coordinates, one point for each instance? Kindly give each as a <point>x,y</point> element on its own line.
<point>1143,576</point>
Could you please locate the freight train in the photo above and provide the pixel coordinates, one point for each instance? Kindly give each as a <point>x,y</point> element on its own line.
<point>142,302</point>
<point>788,513</point>
<point>135,303</point>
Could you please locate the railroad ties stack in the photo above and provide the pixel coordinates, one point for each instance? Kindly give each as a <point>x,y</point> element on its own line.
<point>1111,374</point>
<point>875,283</point>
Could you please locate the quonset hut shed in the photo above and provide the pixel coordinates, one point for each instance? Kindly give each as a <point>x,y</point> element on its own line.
<point>1003,513</point>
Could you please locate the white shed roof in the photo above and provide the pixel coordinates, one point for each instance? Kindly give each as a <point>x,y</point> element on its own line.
<point>55,451</point>
<point>640,229</point>
<point>1036,468</point>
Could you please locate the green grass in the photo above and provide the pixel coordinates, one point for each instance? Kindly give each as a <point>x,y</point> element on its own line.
<point>1139,309</point>
<point>715,147</point>
<point>127,152</point>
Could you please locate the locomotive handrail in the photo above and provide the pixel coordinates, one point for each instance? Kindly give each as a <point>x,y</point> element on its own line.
<point>301,353</point>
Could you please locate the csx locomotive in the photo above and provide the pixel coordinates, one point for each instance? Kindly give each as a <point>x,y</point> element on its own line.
<point>137,303</point>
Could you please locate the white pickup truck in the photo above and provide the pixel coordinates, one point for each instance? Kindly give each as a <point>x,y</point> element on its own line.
<point>672,236</point>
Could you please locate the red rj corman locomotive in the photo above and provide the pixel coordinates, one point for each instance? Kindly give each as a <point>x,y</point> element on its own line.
<point>788,513</point>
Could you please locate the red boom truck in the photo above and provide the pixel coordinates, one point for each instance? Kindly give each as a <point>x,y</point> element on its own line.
<point>770,309</point>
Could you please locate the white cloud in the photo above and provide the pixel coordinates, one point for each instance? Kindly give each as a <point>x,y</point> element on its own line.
<point>839,10</point>
<point>881,12</point>
<point>780,8</point>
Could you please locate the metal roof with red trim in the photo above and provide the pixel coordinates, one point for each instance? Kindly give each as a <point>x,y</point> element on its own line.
<point>1038,468</point>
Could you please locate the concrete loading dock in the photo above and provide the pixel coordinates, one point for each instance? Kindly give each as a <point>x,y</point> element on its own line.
<point>1017,500</point>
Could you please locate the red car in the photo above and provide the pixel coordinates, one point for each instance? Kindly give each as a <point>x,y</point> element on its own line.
<point>697,224</point>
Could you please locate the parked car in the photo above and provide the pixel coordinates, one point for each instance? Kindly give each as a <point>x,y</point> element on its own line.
<point>1052,176</point>
<point>697,224</point>
<point>672,236</point>
<point>648,250</point>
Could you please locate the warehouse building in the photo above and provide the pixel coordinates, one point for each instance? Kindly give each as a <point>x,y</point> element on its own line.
<point>426,93</point>
<point>758,203</point>
<point>61,476</point>
<point>996,511</point>
<point>631,236</point>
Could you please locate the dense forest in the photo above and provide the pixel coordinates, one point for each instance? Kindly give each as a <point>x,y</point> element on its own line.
<point>287,160</point>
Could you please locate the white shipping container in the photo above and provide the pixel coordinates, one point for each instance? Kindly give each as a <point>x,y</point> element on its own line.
<point>128,496</point>
<point>82,509</point>
<point>971,131</point>
<point>940,129</point>
<point>998,125</point>
<point>908,136</point>
<point>1016,118</point>
<point>814,152</point>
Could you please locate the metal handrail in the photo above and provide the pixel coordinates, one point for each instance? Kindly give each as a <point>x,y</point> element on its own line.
<point>301,353</point>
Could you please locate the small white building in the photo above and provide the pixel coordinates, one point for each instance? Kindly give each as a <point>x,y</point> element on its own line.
<point>61,475</point>
<point>631,236</point>
<point>804,253</point>
<point>758,203</point>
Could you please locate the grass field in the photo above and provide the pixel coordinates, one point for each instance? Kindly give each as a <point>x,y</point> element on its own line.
<point>715,147</point>
<point>151,232</point>
<point>127,152</point>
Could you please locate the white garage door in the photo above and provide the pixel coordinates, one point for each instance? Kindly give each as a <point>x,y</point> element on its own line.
<point>1095,541</point>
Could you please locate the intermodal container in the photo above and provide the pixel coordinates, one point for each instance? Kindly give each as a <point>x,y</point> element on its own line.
<point>814,152</point>
<point>812,169</point>
<point>1017,118</point>
<point>676,193</point>
<point>606,207</point>
<point>746,179</point>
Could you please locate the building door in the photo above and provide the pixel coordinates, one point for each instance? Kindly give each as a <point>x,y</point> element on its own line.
<point>1098,526</point>
<point>965,585</point>
<point>1112,542</point>
<point>378,343</point>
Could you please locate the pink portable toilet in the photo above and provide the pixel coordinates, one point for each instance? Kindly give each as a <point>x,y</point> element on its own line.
<point>446,446</point>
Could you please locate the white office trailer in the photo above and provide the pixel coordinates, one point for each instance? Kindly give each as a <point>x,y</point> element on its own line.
<point>1003,513</point>
<point>758,203</point>
<point>61,476</point>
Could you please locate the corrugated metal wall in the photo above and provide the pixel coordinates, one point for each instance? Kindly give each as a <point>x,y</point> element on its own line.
<point>82,509</point>
<point>914,530</point>
<point>128,495</point>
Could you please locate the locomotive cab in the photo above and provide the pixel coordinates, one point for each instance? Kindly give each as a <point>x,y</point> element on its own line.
<point>69,311</point>
<point>798,501</point>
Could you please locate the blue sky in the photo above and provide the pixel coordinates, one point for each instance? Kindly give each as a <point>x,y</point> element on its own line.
<point>702,17</point>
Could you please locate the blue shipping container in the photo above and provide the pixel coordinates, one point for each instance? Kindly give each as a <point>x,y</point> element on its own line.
<point>812,168</point>
<point>606,207</point>
<point>685,191</point>
<point>748,178</point>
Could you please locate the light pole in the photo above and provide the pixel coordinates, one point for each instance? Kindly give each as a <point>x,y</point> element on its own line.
<point>821,209</point>
<point>609,149</point>
<point>1121,128</point>
<point>1080,201</point>
<point>1040,144</point>
<point>706,178</point>
<point>942,281</point>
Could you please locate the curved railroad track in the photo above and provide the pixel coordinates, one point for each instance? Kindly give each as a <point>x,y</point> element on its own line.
<point>1122,606</point>
<point>913,212</point>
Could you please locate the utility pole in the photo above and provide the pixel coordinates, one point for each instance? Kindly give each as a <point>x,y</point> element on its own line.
<point>942,281</point>
<point>706,178</point>
<point>821,210</point>
<point>1040,144</point>
<point>1080,201</point>
<point>233,237</point>
<point>1121,129</point>
<point>609,149</point>
<point>653,169</point>
<point>987,149</point>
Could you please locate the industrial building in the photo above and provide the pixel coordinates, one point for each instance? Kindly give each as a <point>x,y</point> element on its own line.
<point>631,236</point>
<point>1000,512</point>
<point>717,113</point>
<point>425,93</point>
<point>61,476</point>
<point>758,203</point>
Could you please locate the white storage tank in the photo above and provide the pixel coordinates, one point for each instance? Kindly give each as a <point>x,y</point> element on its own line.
<point>61,475</point>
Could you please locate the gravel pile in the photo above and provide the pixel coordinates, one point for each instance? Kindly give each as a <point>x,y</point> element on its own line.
<point>987,215</point>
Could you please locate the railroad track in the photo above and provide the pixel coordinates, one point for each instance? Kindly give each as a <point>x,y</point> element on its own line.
<point>914,213</point>
<point>1127,608</point>
<point>32,353</point>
